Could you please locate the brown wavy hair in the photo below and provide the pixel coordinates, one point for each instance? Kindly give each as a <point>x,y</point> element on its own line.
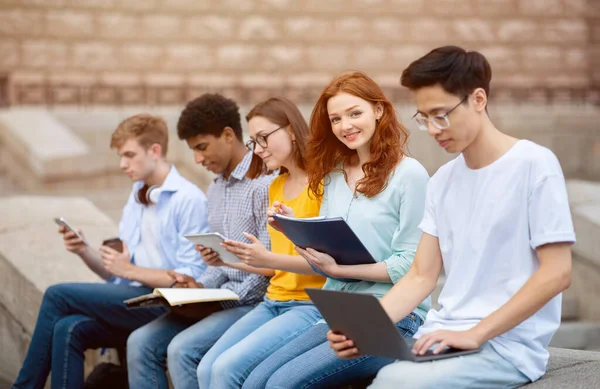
<point>282,112</point>
<point>326,153</point>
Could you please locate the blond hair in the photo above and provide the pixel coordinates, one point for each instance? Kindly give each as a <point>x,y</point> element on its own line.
<point>145,128</point>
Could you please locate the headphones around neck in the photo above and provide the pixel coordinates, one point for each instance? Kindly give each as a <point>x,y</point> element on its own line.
<point>147,195</point>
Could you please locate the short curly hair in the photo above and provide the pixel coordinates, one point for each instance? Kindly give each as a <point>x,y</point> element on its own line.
<point>209,114</point>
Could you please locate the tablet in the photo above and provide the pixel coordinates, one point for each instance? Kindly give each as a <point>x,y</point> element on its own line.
<point>213,240</point>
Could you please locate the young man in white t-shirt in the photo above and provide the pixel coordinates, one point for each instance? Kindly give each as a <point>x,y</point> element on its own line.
<point>497,219</point>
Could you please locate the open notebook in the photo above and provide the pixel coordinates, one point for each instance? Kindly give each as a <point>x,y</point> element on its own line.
<point>180,296</point>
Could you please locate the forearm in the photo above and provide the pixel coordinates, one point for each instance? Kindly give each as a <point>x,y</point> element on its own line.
<point>93,260</point>
<point>537,292</point>
<point>407,294</point>
<point>153,278</point>
<point>251,269</point>
<point>376,272</point>
<point>290,263</point>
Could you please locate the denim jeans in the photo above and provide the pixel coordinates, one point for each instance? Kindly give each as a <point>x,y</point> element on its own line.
<point>309,362</point>
<point>264,330</point>
<point>484,370</point>
<point>74,318</point>
<point>183,340</point>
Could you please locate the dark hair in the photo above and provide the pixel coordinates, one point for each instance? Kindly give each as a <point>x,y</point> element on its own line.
<point>456,70</point>
<point>325,153</point>
<point>209,114</point>
<point>281,112</point>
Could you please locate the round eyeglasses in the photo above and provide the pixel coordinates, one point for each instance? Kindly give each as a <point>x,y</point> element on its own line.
<point>261,140</point>
<point>441,122</point>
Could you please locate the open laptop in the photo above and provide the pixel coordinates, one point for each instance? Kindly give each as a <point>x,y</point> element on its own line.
<point>361,318</point>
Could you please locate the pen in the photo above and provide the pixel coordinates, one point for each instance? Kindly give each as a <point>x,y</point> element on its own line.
<point>173,284</point>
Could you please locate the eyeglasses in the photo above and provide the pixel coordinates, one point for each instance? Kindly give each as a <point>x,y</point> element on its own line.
<point>441,122</point>
<point>261,140</point>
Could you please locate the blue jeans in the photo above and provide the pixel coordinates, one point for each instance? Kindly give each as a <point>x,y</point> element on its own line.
<point>184,341</point>
<point>484,370</point>
<point>267,328</point>
<point>72,319</point>
<point>309,362</point>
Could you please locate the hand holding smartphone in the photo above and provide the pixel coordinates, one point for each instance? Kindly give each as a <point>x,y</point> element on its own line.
<point>63,223</point>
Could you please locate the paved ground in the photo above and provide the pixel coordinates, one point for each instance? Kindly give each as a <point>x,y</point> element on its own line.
<point>4,384</point>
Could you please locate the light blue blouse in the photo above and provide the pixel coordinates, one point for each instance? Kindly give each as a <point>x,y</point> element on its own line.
<point>386,224</point>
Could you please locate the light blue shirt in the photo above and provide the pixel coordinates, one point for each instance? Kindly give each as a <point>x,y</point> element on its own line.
<point>181,209</point>
<point>387,224</point>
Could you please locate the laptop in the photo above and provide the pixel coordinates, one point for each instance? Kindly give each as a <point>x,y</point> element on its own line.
<point>362,318</point>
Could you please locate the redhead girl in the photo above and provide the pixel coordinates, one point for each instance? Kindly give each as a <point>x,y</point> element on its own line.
<point>358,166</point>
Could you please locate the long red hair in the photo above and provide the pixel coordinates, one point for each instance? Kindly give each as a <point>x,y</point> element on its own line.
<point>325,153</point>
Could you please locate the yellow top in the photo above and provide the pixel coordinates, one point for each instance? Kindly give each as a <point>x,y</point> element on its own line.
<point>284,285</point>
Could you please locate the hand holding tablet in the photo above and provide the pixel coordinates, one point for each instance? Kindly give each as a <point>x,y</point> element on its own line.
<point>213,240</point>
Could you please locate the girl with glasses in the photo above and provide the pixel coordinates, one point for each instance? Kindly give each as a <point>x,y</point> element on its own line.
<point>278,135</point>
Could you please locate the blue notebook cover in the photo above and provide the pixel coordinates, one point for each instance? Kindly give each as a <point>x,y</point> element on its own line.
<point>331,236</point>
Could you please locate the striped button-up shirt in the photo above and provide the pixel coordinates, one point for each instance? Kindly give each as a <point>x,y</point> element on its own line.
<point>238,205</point>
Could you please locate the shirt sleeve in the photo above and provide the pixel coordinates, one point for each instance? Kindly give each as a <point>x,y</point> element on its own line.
<point>251,290</point>
<point>407,235</point>
<point>260,204</point>
<point>549,213</point>
<point>213,277</point>
<point>191,219</point>
<point>128,216</point>
<point>428,223</point>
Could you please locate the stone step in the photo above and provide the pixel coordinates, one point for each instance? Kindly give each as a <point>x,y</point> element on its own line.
<point>577,335</point>
<point>570,307</point>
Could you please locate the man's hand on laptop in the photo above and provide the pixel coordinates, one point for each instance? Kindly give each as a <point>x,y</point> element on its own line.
<point>464,340</point>
<point>182,280</point>
<point>343,347</point>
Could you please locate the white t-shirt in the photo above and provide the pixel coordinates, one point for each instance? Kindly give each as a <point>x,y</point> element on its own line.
<point>147,252</point>
<point>489,222</point>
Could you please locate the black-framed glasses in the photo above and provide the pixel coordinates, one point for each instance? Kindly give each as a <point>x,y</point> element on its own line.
<point>261,140</point>
<point>441,122</point>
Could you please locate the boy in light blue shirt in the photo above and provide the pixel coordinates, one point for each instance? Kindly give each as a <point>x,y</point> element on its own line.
<point>161,208</point>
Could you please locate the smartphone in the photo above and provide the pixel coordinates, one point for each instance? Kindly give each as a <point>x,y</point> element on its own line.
<point>62,222</point>
<point>114,243</point>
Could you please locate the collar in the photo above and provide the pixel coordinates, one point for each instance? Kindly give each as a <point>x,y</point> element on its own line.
<point>239,173</point>
<point>171,184</point>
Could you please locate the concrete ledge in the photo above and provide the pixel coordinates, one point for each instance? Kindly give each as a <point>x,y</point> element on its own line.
<point>584,197</point>
<point>570,369</point>
<point>32,257</point>
<point>46,145</point>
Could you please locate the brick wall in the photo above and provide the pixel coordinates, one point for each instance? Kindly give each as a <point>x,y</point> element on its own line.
<point>166,51</point>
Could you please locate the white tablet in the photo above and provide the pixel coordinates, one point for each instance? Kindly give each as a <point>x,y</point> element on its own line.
<point>213,240</point>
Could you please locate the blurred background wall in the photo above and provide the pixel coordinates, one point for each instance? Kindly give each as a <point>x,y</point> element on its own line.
<point>91,63</point>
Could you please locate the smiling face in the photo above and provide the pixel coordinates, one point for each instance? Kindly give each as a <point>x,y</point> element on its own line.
<point>465,120</point>
<point>137,162</point>
<point>279,149</point>
<point>353,120</point>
